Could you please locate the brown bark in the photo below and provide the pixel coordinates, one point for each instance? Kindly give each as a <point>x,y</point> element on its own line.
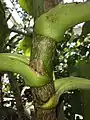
<point>40,96</point>
<point>41,61</point>
<point>48,4</point>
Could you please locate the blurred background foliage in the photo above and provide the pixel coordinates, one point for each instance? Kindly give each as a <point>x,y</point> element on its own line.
<point>72,58</point>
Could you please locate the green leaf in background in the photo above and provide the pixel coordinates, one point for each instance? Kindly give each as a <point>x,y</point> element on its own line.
<point>83,70</point>
<point>25,45</point>
<point>26,5</point>
<point>86,28</point>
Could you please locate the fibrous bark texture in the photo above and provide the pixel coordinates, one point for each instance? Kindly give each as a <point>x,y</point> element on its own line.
<point>41,62</point>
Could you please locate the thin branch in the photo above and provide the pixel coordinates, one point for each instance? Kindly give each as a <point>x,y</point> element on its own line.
<point>20,32</point>
<point>11,40</point>
<point>8,17</point>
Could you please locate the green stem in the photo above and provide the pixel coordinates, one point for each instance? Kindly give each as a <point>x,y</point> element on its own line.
<point>19,57</point>
<point>19,64</point>
<point>20,32</point>
<point>16,63</point>
<point>63,85</point>
<point>56,21</point>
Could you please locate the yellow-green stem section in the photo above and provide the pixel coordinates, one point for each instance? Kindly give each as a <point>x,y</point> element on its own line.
<point>18,64</point>
<point>56,21</point>
<point>19,57</point>
<point>63,85</point>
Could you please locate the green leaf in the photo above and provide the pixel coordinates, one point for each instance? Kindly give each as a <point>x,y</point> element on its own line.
<point>25,45</point>
<point>83,70</point>
<point>86,28</point>
<point>26,5</point>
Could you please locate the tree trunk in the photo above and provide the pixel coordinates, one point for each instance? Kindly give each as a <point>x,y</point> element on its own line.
<point>41,61</point>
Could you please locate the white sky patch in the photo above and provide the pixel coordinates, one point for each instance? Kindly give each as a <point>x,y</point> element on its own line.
<point>10,24</point>
<point>32,22</point>
<point>13,12</point>
<point>16,17</point>
<point>69,1</point>
<point>9,4</point>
